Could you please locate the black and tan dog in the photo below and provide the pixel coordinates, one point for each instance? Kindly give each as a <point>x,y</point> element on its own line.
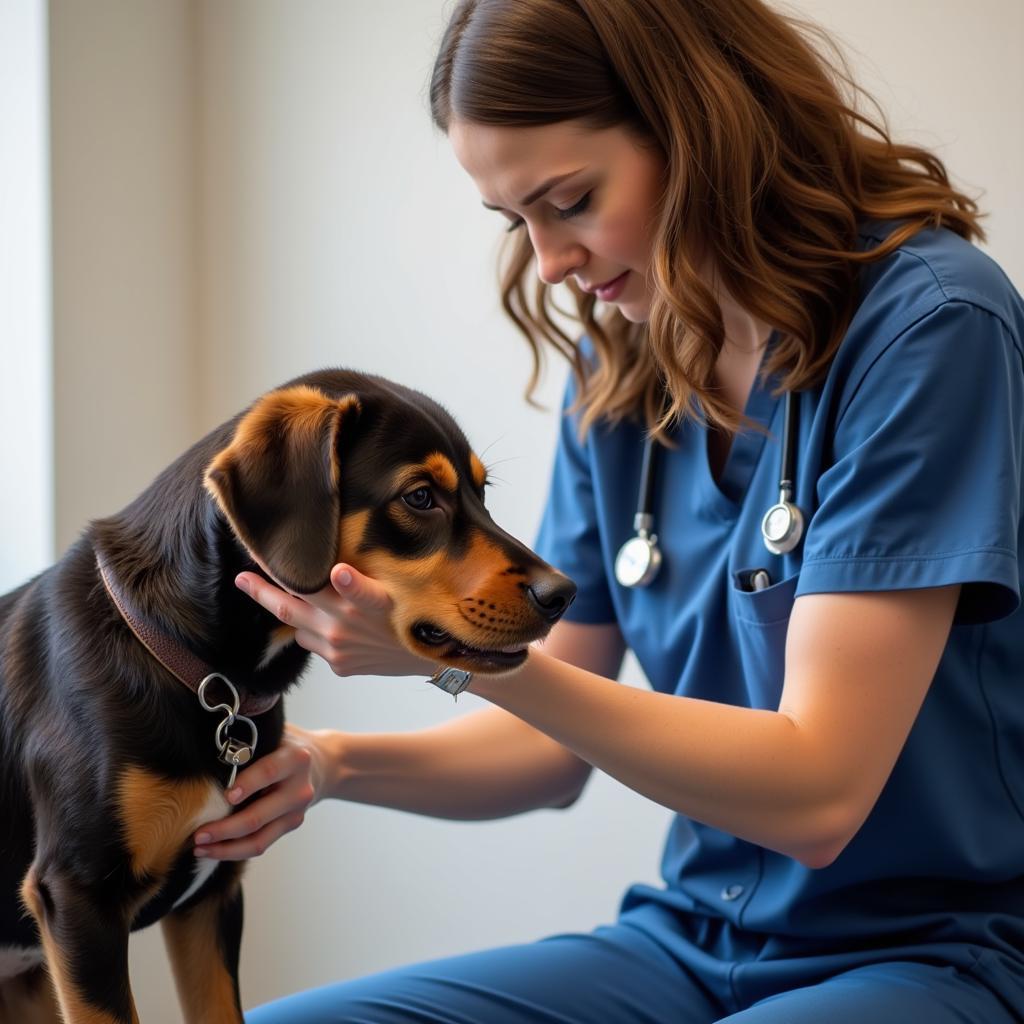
<point>108,762</point>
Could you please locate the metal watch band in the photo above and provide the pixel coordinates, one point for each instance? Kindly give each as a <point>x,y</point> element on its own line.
<point>451,680</point>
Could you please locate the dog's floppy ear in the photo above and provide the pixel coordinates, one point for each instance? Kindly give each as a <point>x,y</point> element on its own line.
<point>277,483</point>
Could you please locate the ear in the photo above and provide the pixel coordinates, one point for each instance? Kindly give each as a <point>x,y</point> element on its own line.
<point>277,483</point>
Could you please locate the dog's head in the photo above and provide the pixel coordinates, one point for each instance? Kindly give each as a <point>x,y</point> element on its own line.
<point>340,467</point>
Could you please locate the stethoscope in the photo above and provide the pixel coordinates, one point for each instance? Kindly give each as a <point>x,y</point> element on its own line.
<point>782,526</point>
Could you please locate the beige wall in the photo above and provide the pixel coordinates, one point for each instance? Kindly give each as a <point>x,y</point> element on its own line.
<point>247,189</point>
<point>125,247</point>
<point>26,435</point>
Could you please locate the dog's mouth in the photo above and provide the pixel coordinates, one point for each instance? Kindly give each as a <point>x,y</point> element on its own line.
<point>450,647</point>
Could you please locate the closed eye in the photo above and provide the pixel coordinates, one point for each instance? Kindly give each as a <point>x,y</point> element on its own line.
<point>576,209</point>
<point>567,214</point>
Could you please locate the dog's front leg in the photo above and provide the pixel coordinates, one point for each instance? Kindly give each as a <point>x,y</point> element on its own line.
<point>86,945</point>
<point>203,941</point>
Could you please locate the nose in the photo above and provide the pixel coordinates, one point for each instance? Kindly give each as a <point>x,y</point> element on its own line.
<point>557,256</point>
<point>551,595</point>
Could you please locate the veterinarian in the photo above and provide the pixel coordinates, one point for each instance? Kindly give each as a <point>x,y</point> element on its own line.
<point>831,627</point>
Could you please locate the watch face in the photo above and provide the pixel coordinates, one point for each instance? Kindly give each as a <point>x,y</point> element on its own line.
<point>633,562</point>
<point>777,523</point>
<point>452,680</point>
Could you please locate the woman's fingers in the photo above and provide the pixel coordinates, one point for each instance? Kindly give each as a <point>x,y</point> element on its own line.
<point>286,783</point>
<point>255,843</point>
<point>349,589</point>
<point>360,589</point>
<point>250,831</point>
<point>348,623</point>
<point>288,763</point>
<point>280,802</point>
<point>291,610</point>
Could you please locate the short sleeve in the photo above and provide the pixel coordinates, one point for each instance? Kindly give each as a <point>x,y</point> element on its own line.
<point>569,535</point>
<point>924,485</point>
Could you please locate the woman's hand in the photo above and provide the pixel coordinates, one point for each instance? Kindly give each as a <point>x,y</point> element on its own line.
<point>292,779</point>
<point>348,624</point>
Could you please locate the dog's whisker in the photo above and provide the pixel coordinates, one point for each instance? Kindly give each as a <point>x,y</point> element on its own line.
<point>490,446</point>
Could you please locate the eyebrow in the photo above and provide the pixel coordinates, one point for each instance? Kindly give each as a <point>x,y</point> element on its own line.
<point>541,190</point>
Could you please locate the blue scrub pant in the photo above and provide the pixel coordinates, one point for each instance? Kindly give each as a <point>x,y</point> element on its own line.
<point>620,974</point>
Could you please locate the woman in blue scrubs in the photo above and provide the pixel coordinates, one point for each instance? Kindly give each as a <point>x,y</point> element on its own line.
<point>838,726</point>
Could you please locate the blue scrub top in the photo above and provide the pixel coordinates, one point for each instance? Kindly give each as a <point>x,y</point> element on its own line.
<point>909,472</point>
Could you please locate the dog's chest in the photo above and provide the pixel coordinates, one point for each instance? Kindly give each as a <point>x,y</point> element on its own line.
<point>159,817</point>
<point>216,806</point>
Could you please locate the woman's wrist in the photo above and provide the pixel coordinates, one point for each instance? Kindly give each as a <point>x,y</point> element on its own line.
<point>333,747</point>
<point>490,687</point>
<point>362,763</point>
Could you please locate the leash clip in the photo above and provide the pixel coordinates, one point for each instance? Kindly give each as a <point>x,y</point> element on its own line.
<point>230,750</point>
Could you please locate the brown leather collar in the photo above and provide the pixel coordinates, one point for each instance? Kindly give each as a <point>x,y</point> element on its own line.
<point>181,663</point>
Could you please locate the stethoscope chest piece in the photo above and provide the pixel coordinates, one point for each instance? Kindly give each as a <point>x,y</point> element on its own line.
<point>782,527</point>
<point>638,560</point>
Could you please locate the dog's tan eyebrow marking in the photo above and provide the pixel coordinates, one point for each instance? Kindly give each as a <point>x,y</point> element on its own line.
<point>477,469</point>
<point>441,469</point>
<point>436,466</point>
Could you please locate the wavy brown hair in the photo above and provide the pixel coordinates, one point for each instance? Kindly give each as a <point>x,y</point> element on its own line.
<point>771,166</point>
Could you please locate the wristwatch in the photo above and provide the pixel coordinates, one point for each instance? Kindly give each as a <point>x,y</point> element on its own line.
<point>451,680</point>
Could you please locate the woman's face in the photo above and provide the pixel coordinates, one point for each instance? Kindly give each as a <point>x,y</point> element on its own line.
<point>588,199</point>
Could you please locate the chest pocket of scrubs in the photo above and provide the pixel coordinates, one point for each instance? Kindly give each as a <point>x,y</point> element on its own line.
<point>759,621</point>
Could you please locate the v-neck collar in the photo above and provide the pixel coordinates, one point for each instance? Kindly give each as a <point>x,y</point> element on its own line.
<point>727,492</point>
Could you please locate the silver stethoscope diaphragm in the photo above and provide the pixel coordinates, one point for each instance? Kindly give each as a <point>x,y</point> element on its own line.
<point>638,560</point>
<point>782,527</point>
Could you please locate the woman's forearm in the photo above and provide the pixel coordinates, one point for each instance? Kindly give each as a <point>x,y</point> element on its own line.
<point>487,764</point>
<point>744,771</point>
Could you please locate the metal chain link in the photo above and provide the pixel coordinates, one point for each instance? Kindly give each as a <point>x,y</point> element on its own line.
<point>230,750</point>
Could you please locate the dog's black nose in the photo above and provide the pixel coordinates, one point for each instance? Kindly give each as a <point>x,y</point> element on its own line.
<point>551,595</point>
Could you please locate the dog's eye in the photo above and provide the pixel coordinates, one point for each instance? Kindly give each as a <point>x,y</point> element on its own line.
<point>420,499</point>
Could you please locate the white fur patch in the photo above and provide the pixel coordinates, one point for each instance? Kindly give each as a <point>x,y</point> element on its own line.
<point>15,960</point>
<point>279,640</point>
<point>216,806</point>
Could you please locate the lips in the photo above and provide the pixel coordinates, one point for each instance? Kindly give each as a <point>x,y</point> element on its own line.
<point>449,647</point>
<point>610,289</point>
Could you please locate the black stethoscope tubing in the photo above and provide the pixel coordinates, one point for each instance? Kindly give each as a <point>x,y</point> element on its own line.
<point>647,470</point>
<point>787,474</point>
